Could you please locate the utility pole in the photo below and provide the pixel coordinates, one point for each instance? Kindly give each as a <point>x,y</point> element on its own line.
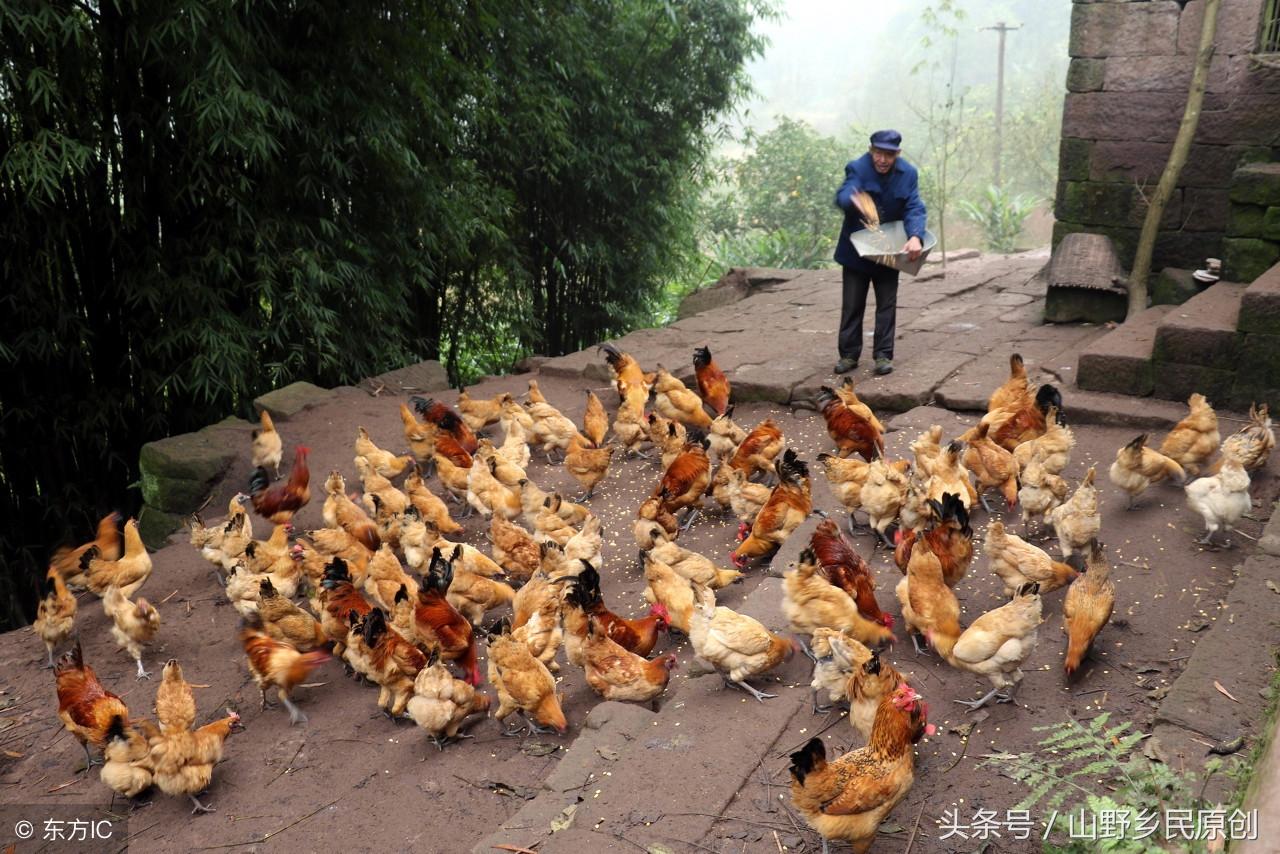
<point>1002,29</point>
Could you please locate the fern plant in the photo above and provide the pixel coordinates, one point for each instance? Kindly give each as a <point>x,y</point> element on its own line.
<point>1094,768</point>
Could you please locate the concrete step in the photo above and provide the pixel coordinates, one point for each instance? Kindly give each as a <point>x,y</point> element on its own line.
<point>1202,331</point>
<point>1120,361</point>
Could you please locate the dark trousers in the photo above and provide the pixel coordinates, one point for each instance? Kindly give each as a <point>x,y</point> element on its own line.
<point>853,306</point>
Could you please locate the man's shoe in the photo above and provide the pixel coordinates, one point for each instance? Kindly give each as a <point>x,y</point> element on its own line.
<point>884,366</point>
<point>845,365</point>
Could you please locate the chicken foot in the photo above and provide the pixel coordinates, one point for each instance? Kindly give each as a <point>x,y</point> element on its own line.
<point>143,673</point>
<point>296,715</point>
<point>199,807</point>
<point>974,705</point>
<point>758,694</point>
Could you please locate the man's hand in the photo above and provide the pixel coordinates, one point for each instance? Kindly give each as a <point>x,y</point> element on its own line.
<point>913,248</point>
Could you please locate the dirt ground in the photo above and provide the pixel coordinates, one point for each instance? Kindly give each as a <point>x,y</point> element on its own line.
<point>353,779</point>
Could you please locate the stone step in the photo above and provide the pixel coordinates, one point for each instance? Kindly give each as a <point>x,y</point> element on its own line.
<point>1202,331</point>
<point>1120,361</point>
<point>1260,307</point>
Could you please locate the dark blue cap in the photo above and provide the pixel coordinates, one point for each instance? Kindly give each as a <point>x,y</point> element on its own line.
<point>889,140</point>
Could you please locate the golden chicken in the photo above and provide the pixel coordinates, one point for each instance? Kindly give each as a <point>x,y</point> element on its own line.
<point>541,632</point>
<point>835,655</point>
<point>759,451</point>
<point>268,447</point>
<point>883,494</point>
<point>525,685</point>
<point>1137,467</point>
<point>691,565</point>
<point>996,644</point>
<point>852,433</point>
<point>1040,492</point>
<point>551,428</point>
<point>175,702</point>
<point>1019,563</point>
<point>630,425</point>
<point>737,646</point>
<point>380,496</point>
<point>992,465</point>
<point>626,370</point>
<point>810,601</point>
<point>1011,425</point>
<point>128,573</point>
<point>927,448</point>
<point>1220,499</point>
<point>586,544</point>
<point>1194,439</point>
<point>848,798</point>
<point>56,613</point>
<point>950,475</point>
<point>746,499</point>
<point>595,421</point>
<point>1052,450</point>
<point>725,436</point>
<point>385,463</point>
<point>849,397</point>
<point>929,608</point>
<point>846,477</point>
<point>478,414</point>
<point>668,436</point>
<point>787,508</point>
<point>673,399</point>
<point>1016,391</point>
<point>587,464</point>
<point>1087,606</point>
<point>127,769</point>
<point>1251,444</point>
<point>871,680</point>
<point>686,479</point>
<point>429,505</point>
<point>133,624</point>
<point>514,549</point>
<point>394,662</point>
<point>420,436</point>
<point>665,587</point>
<point>183,761</point>
<point>340,511</point>
<point>1077,521</point>
<point>488,495</point>
<point>616,673</point>
<point>472,594</point>
<point>442,703</point>
<point>950,538</point>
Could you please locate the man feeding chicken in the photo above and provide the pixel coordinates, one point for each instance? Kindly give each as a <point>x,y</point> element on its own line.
<point>878,187</point>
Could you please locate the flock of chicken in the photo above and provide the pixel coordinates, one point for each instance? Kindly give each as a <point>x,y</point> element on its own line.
<point>403,606</point>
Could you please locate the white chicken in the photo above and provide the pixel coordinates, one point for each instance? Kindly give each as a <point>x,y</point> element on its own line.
<point>1221,499</point>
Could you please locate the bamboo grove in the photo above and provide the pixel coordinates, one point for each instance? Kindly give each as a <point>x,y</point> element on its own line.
<point>203,200</point>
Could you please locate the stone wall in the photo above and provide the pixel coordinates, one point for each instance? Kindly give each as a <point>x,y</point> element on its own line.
<point>1131,63</point>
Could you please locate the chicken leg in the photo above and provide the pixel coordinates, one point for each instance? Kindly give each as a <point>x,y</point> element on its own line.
<point>978,704</point>
<point>143,673</point>
<point>199,807</point>
<point>759,695</point>
<point>295,714</point>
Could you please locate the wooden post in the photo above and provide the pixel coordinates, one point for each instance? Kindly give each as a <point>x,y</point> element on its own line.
<point>1177,159</point>
<point>1002,29</point>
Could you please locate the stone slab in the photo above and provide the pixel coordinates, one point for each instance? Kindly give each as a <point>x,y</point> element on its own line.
<point>186,457</point>
<point>1174,286</point>
<point>912,382</point>
<point>156,526</point>
<point>421,377</point>
<point>1176,381</point>
<point>1120,29</point>
<point>1260,305</point>
<point>283,403</point>
<point>1121,410</point>
<point>1247,258</point>
<point>1120,361</point>
<point>1202,331</point>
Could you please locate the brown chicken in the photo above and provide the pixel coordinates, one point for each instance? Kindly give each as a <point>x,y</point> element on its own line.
<point>737,646</point>
<point>927,448</point>
<point>868,684</point>
<point>1019,563</point>
<point>992,465</point>
<point>626,370</point>
<point>106,545</point>
<point>1039,491</point>
<point>133,624</point>
<point>849,397</point>
<point>1137,467</point>
<point>1194,439</point>
<point>84,706</point>
<point>514,548</point>
<point>183,761</point>
<point>394,661</point>
<point>338,597</point>
<point>668,436</point>
<point>525,685</point>
<point>340,511</point>
<point>1016,391</point>
<point>439,624</point>
<point>1012,425</point>
<point>787,508</point>
<point>686,479</point>
<point>542,632</point>
<point>615,673</point>
<point>950,475</point>
<point>478,414</point>
<point>1252,443</point>
<point>639,635</point>
<point>712,384</point>
<point>384,462</point>
<point>846,569</point>
<point>652,513</point>
<point>950,539</point>
<point>883,494</point>
<point>852,433</point>
<point>1077,521</point>
<point>473,594</point>
<point>285,621</point>
<point>552,429</point>
<point>279,503</point>
<point>453,466</point>
<point>128,572</point>
<point>1087,606</point>
<point>848,798</point>
<point>595,421</point>
<point>690,564</point>
<point>268,447</point>
<point>810,601</point>
<point>56,613</point>
<point>449,422</point>
<point>1052,450</point>
<point>587,464</point>
<point>127,769</point>
<point>630,425</point>
<point>725,436</point>
<point>760,449</point>
<point>175,703</point>
<point>996,644</point>
<point>441,703</point>
<point>277,664</point>
<point>674,400</point>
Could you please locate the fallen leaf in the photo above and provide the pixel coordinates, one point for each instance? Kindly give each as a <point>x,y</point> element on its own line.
<point>524,793</point>
<point>1226,748</point>
<point>607,753</point>
<point>565,820</point>
<point>538,748</point>
<point>1153,751</point>
<point>1271,585</point>
<point>1224,692</point>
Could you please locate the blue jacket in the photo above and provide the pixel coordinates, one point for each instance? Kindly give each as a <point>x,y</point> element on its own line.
<point>897,197</point>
